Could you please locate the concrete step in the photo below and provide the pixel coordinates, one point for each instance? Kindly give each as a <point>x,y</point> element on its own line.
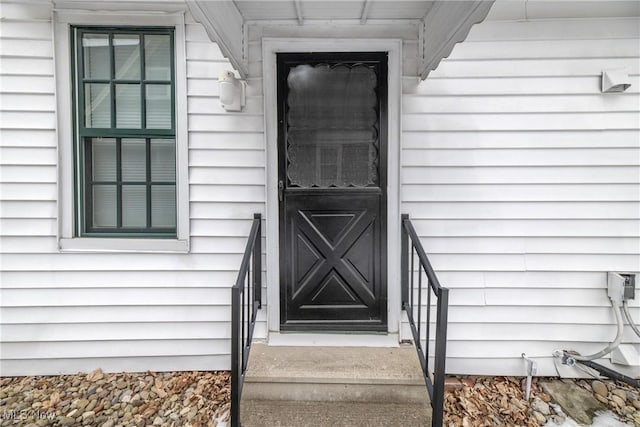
<point>279,413</point>
<point>334,374</point>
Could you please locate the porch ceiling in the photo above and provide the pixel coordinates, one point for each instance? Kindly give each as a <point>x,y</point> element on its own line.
<point>363,10</point>
<point>445,23</point>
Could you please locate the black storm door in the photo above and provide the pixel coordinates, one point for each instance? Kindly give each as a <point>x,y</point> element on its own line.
<point>332,154</point>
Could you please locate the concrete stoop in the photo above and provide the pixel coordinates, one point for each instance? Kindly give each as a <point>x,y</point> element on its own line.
<point>304,413</point>
<point>334,386</point>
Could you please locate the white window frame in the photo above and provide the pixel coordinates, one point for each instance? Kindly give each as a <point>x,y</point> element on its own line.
<point>67,214</point>
<point>272,46</point>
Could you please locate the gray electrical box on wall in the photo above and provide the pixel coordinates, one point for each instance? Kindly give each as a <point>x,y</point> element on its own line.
<point>621,286</point>
<point>629,286</point>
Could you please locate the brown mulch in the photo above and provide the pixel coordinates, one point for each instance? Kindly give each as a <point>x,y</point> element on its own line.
<point>488,402</point>
<point>499,401</point>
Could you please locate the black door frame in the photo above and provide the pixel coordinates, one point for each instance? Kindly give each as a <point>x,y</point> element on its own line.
<point>382,89</point>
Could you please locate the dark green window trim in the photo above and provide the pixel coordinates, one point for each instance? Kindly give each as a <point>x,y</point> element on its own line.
<point>83,135</point>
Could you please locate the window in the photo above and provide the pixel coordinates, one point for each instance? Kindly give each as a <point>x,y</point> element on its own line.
<point>125,155</point>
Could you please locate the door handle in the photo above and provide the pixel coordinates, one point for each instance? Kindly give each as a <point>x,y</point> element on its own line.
<point>280,190</point>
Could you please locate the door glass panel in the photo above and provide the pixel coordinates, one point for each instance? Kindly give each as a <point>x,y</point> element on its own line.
<point>332,119</point>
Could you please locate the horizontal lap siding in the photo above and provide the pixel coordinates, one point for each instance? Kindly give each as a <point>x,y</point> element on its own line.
<point>28,176</point>
<point>226,166</point>
<point>65,312</point>
<point>523,181</point>
<point>227,160</point>
<point>521,177</point>
<point>27,133</point>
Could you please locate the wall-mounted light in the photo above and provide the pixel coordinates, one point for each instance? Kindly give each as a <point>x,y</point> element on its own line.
<point>615,80</point>
<point>231,91</point>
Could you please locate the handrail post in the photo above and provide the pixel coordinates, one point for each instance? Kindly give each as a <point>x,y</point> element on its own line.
<point>244,313</point>
<point>257,263</point>
<point>404,260</point>
<point>435,386</point>
<point>235,364</point>
<point>440,357</point>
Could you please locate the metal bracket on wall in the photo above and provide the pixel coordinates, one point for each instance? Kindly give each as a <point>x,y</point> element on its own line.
<point>532,368</point>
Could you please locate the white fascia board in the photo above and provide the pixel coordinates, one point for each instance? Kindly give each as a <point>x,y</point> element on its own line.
<point>166,6</point>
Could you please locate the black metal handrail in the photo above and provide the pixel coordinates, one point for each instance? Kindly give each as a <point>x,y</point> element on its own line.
<point>246,297</point>
<point>411,246</point>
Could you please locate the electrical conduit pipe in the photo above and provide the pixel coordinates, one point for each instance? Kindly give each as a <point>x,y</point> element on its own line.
<point>612,345</point>
<point>627,314</point>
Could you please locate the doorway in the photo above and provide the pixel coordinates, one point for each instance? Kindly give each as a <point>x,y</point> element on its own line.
<point>332,181</point>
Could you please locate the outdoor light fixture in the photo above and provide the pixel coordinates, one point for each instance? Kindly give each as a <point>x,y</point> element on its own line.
<point>615,80</point>
<point>232,96</point>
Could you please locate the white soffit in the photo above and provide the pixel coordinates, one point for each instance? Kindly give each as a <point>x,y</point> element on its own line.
<point>445,22</point>
<point>265,10</point>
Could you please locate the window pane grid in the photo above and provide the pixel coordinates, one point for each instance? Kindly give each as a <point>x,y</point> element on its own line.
<point>143,102</point>
<point>112,83</point>
<point>119,178</point>
<point>123,75</point>
<point>147,157</point>
<point>103,220</point>
<point>136,119</point>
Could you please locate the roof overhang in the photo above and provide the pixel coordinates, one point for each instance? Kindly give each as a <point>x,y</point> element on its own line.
<point>443,23</point>
<point>448,23</point>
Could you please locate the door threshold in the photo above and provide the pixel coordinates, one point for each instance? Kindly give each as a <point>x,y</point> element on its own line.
<point>332,340</point>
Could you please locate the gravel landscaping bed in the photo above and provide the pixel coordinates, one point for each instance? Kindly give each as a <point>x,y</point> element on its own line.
<point>108,400</point>
<point>202,399</point>
<point>499,401</point>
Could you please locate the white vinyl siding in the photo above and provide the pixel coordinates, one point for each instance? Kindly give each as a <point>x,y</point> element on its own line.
<point>70,312</point>
<point>27,134</point>
<point>523,181</point>
<point>27,128</point>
